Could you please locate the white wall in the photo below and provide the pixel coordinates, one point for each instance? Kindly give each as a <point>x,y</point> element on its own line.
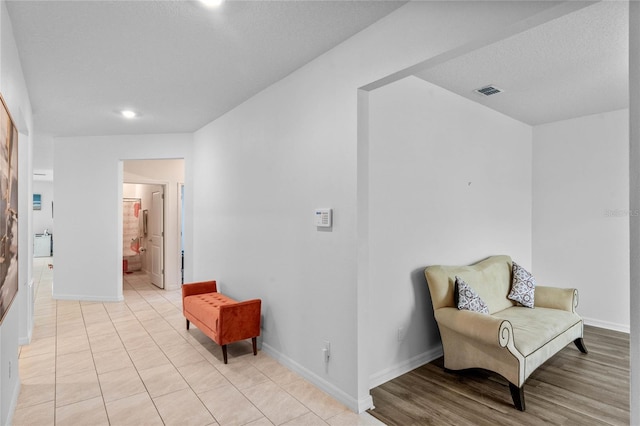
<point>450,183</point>
<point>43,219</point>
<point>634,204</point>
<point>260,170</point>
<point>88,186</point>
<point>16,326</point>
<point>581,213</point>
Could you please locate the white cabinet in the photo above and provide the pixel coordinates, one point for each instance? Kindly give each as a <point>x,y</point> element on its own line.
<point>42,245</point>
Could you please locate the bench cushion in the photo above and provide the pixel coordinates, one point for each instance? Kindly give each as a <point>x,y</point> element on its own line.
<point>200,306</point>
<point>534,328</point>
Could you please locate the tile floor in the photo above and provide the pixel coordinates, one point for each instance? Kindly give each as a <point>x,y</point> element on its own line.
<point>133,363</point>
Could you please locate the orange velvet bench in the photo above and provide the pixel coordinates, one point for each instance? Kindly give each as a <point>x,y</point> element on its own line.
<point>220,317</point>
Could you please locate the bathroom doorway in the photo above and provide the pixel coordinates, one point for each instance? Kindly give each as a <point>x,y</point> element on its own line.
<point>157,184</point>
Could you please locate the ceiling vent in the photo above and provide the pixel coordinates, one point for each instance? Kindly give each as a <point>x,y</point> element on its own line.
<point>488,90</point>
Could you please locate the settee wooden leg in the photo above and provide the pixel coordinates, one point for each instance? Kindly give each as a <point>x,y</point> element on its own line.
<point>517,394</point>
<point>580,345</point>
<point>224,353</point>
<point>187,324</point>
<point>254,341</point>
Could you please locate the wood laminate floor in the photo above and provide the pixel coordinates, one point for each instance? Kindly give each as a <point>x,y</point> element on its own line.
<point>569,389</point>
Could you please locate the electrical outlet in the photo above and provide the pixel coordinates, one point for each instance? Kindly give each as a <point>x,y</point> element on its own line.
<point>401,334</point>
<point>326,351</point>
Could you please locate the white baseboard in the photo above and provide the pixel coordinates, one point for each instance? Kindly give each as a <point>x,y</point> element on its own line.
<point>25,340</point>
<point>404,367</point>
<point>85,298</point>
<point>358,406</point>
<point>625,328</point>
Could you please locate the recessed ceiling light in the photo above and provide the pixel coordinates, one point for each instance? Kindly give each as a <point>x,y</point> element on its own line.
<point>211,3</point>
<point>127,113</point>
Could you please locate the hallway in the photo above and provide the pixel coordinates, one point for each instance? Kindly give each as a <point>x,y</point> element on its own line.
<point>133,363</point>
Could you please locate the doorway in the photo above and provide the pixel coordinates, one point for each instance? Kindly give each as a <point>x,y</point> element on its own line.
<point>158,184</point>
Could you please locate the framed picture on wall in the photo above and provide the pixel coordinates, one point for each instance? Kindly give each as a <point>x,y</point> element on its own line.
<point>9,210</point>
<point>37,201</point>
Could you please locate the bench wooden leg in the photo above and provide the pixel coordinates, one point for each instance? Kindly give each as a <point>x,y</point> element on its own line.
<point>254,341</point>
<point>224,353</point>
<point>580,345</point>
<point>517,394</point>
<point>187,324</point>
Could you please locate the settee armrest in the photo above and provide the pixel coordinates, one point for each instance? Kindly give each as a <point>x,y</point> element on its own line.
<point>481,327</point>
<point>565,299</point>
<point>198,288</point>
<point>239,321</point>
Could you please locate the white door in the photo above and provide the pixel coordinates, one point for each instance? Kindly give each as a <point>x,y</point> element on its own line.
<point>156,239</point>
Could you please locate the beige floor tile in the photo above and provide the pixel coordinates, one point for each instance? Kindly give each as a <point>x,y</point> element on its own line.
<point>36,390</point>
<point>116,307</point>
<point>120,384</point>
<point>111,360</point>
<point>271,368</point>
<point>100,328</point>
<point>309,419</point>
<point>135,373</point>
<point>34,415</point>
<point>211,351</point>
<point>88,412</point>
<point>124,315</point>
<point>182,354</point>
<point>162,380</point>
<point>96,318</point>
<point>202,376</point>
<point>39,346</point>
<point>276,404</point>
<point>260,422</point>
<point>42,331</point>
<point>182,408</point>
<point>242,375</point>
<point>148,315</point>
<point>229,406</point>
<point>77,387</point>
<point>105,342</point>
<point>134,410</point>
<point>156,326</point>
<point>316,400</point>
<point>168,338</point>
<point>241,351</point>
<point>138,341</point>
<point>74,362</point>
<point>37,365</point>
<point>72,343</point>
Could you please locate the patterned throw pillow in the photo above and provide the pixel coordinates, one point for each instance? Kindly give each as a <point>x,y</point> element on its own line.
<point>523,286</point>
<point>468,299</point>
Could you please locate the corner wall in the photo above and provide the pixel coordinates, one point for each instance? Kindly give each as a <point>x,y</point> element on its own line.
<point>450,183</point>
<point>88,186</point>
<point>581,213</point>
<point>262,169</point>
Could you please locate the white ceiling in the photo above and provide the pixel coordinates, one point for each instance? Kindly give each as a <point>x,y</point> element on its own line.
<point>569,67</point>
<point>178,63</point>
<point>182,65</point>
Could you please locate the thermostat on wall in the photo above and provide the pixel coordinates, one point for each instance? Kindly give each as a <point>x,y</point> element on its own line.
<point>323,218</point>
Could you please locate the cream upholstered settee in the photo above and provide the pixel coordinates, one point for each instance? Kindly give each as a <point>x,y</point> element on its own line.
<point>511,340</point>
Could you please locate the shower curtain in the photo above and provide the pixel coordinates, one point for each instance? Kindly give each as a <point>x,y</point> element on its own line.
<point>131,220</point>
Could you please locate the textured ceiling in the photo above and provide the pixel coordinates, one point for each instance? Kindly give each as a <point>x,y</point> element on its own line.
<point>177,63</point>
<point>569,67</point>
